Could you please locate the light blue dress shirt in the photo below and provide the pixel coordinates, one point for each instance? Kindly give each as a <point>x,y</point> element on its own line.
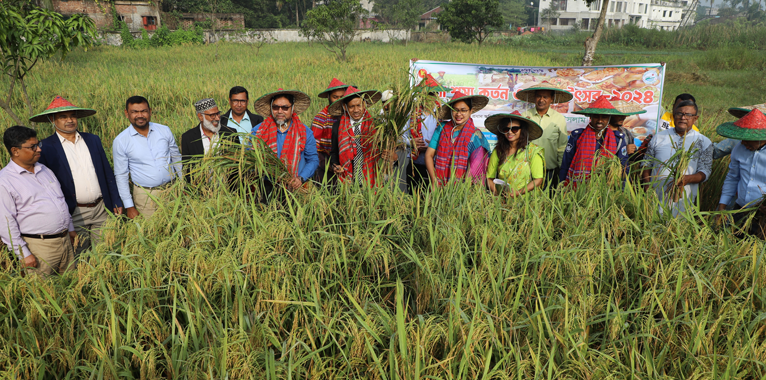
<point>151,161</point>
<point>746,179</point>
<point>309,158</point>
<point>244,126</point>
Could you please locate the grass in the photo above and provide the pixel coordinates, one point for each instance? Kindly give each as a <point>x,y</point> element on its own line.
<point>455,284</point>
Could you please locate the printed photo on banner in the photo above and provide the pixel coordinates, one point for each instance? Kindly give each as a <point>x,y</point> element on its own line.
<point>639,86</point>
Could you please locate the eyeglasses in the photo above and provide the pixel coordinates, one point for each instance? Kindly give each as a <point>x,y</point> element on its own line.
<point>212,115</point>
<point>464,110</point>
<point>275,107</point>
<point>33,147</point>
<point>511,129</point>
<point>234,101</point>
<point>682,115</point>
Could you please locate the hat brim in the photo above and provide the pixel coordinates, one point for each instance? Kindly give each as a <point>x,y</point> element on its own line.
<point>370,97</point>
<point>326,93</point>
<point>740,112</point>
<point>478,102</point>
<point>559,95</point>
<point>301,102</point>
<point>533,129</point>
<point>602,111</point>
<point>729,130</point>
<point>44,117</point>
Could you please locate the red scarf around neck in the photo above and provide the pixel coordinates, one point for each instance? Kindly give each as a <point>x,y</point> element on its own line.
<point>585,157</point>
<point>453,155</point>
<point>294,145</point>
<point>347,148</point>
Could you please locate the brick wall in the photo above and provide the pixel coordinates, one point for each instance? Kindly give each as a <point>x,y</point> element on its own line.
<point>132,12</point>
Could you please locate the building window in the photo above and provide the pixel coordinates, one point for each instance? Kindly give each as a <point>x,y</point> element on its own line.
<point>670,14</point>
<point>619,7</point>
<point>611,8</point>
<point>150,22</point>
<point>664,13</point>
<point>595,6</point>
<point>559,5</point>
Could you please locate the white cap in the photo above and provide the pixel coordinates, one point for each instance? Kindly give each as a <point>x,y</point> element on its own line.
<point>387,95</point>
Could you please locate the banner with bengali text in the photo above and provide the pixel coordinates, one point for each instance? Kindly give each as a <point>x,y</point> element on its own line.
<point>639,84</point>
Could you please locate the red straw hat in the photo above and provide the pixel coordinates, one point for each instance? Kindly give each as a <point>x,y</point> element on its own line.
<point>335,84</point>
<point>369,96</point>
<point>434,85</point>
<point>601,106</point>
<point>751,127</point>
<point>60,104</point>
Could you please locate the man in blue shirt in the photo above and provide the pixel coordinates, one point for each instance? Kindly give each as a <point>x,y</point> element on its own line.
<point>239,117</point>
<point>746,179</point>
<point>284,133</point>
<point>148,153</point>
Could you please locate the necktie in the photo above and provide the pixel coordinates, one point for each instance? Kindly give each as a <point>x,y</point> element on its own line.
<point>359,157</point>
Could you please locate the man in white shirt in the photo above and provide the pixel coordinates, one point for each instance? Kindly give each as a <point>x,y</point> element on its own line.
<point>676,178</point>
<point>80,164</point>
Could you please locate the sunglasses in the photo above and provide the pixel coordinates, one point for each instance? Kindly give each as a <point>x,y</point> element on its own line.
<point>275,107</point>
<point>511,129</point>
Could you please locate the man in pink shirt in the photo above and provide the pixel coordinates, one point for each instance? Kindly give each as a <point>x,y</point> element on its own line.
<point>34,217</point>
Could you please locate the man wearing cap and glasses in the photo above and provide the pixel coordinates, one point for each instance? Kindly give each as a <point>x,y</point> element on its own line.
<point>284,133</point>
<point>677,186</point>
<point>34,218</point>
<point>238,117</point>
<point>745,182</point>
<point>80,164</point>
<point>148,153</point>
<point>204,138</point>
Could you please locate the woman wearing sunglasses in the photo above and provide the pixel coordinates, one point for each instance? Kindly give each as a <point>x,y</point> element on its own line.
<point>516,166</point>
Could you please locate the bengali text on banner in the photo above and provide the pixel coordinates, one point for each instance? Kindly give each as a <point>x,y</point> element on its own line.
<point>638,84</point>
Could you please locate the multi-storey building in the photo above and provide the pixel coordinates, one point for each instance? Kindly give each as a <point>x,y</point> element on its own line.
<point>659,14</point>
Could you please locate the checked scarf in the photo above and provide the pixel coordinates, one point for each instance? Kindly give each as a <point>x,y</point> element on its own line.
<point>453,154</point>
<point>295,141</point>
<point>347,149</point>
<point>585,157</point>
<point>416,129</point>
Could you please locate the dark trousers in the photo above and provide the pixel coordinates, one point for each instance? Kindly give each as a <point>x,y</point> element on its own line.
<point>740,218</point>
<point>552,178</point>
<point>417,178</point>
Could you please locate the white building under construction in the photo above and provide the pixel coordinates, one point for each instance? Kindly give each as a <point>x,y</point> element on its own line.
<point>652,14</point>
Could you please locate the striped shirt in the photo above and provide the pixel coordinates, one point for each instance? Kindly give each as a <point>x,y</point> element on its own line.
<point>322,129</point>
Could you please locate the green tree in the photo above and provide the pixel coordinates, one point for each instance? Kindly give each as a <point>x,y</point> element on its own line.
<point>514,12</point>
<point>471,20</point>
<point>334,25</point>
<point>549,14</point>
<point>29,34</point>
<point>592,41</point>
<point>399,14</point>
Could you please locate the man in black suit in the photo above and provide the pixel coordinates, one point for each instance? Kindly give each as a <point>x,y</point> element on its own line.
<point>239,117</point>
<point>205,137</point>
<point>79,162</point>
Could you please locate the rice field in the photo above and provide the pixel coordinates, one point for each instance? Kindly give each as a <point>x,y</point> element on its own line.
<point>368,283</point>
